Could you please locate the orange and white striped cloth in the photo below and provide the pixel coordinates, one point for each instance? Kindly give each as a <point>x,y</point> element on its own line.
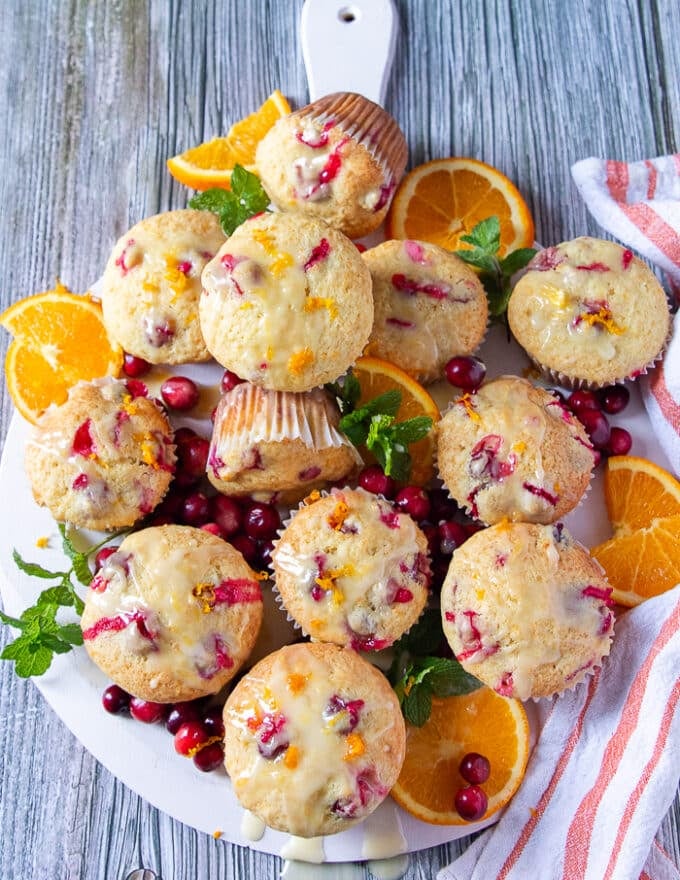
<point>604,771</point>
<point>639,203</point>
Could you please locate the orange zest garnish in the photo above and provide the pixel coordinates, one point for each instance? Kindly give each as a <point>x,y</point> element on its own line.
<point>291,757</point>
<point>603,318</point>
<point>466,401</point>
<point>297,682</point>
<point>300,360</point>
<point>354,747</point>
<point>338,515</point>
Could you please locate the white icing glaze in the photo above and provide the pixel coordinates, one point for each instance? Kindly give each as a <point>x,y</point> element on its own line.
<point>383,834</point>
<point>304,849</point>
<point>389,869</point>
<point>252,827</point>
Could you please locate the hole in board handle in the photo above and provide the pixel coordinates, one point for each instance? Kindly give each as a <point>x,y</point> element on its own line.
<point>349,14</point>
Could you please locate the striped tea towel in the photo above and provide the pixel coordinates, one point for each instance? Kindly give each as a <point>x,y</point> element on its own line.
<point>639,203</point>
<point>604,771</point>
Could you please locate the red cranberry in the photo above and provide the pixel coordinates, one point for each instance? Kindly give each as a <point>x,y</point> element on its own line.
<point>103,555</point>
<point>246,545</point>
<point>180,393</point>
<point>195,509</point>
<point>475,768</point>
<point>137,388</point>
<point>261,521</point>
<point>135,366</point>
<point>183,435</point>
<point>264,553</point>
<point>373,479</point>
<point>229,380</point>
<point>620,441</point>
<point>227,513</point>
<point>414,501</point>
<point>213,529</point>
<point>597,457</point>
<point>583,399</point>
<point>213,722</point>
<point>115,700</point>
<point>614,398</point>
<point>162,519</point>
<point>190,737</point>
<point>192,458</point>
<point>210,758</point>
<point>471,803</point>
<point>465,372</point>
<point>359,246</point>
<point>180,714</point>
<point>443,506</point>
<point>147,711</point>
<point>451,535</point>
<point>596,425</point>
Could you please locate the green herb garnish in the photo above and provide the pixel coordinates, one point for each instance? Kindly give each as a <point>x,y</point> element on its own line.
<point>42,636</point>
<point>495,275</point>
<point>417,677</point>
<point>233,206</point>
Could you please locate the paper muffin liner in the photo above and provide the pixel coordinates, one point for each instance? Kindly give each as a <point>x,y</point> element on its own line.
<point>365,122</point>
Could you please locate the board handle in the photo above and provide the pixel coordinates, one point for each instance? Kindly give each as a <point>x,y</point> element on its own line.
<point>348,46</point>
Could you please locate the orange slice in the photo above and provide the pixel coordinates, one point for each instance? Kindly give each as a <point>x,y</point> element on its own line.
<point>210,164</point>
<point>642,559</point>
<point>60,339</point>
<point>444,199</point>
<point>483,722</point>
<point>376,377</point>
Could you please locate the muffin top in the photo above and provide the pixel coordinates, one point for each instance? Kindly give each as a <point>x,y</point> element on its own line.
<point>287,302</point>
<point>314,739</point>
<point>429,306</point>
<point>512,450</point>
<point>152,284</point>
<point>590,312</point>
<point>352,570</point>
<point>172,614</point>
<point>526,609</point>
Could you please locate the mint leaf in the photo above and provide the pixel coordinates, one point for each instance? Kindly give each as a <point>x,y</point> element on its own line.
<point>346,392</point>
<point>425,636</point>
<point>486,235</point>
<point>30,657</point>
<point>234,206</point>
<point>411,430</point>
<point>417,705</point>
<point>517,260</point>
<point>448,679</point>
<point>33,569</point>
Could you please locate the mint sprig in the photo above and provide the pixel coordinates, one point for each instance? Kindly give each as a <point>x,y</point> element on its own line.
<point>234,206</point>
<point>496,272</point>
<point>41,635</point>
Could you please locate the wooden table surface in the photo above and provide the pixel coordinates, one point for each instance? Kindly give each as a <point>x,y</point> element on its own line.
<point>96,95</point>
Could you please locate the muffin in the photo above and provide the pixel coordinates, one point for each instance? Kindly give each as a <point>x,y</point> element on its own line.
<point>589,313</point>
<point>314,739</point>
<point>172,614</point>
<point>103,458</point>
<point>526,609</point>
<point>286,303</point>
<point>277,445</point>
<point>152,285</point>
<point>511,450</point>
<point>428,307</point>
<point>352,570</point>
<point>339,159</point>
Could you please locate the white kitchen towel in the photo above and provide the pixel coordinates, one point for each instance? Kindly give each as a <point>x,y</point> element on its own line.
<point>604,771</point>
<point>639,203</point>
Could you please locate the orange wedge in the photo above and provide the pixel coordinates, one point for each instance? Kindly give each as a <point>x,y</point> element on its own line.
<point>444,199</point>
<point>376,377</point>
<point>210,164</point>
<point>642,559</point>
<point>482,722</point>
<point>60,339</point>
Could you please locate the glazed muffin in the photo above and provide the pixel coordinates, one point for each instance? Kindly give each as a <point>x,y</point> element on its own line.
<point>277,445</point>
<point>428,307</point>
<point>286,303</point>
<point>314,739</point>
<point>352,570</point>
<point>589,313</point>
<point>152,285</point>
<point>103,459</point>
<point>339,159</point>
<point>512,450</point>
<point>172,614</point>
<point>526,609</point>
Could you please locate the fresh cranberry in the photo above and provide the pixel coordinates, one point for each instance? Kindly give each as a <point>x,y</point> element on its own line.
<point>583,399</point>
<point>195,509</point>
<point>261,521</point>
<point>451,535</point>
<point>227,513</point>
<point>246,545</point>
<point>620,441</point>
<point>102,556</point>
<point>475,768</point>
<point>471,803</point>
<point>414,501</point>
<point>442,505</point>
<point>135,366</point>
<point>180,393</point>
<point>229,380</point>
<point>180,714</point>
<point>115,700</point>
<point>614,398</point>
<point>597,457</point>
<point>596,425</point>
<point>213,529</point>
<point>190,737</point>
<point>465,372</point>
<point>136,388</point>
<point>213,722</point>
<point>183,435</point>
<point>264,553</point>
<point>147,711</point>
<point>209,758</point>
<point>374,479</point>
<point>192,458</point>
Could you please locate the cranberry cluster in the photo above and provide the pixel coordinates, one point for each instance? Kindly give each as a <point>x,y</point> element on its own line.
<point>591,409</point>
<point>471,801</point>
